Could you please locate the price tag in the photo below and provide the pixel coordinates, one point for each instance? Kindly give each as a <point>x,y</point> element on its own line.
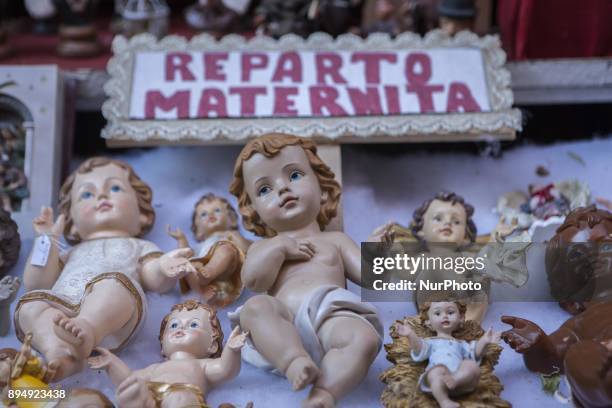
<point>40,252</point>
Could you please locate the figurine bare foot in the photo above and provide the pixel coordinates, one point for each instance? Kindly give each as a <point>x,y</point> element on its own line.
<point>449,381</point>
<point>319,398</point>
<point>62,363</point>
<point>301,372</point>
<point>449,404</point>
<point>76,332</point>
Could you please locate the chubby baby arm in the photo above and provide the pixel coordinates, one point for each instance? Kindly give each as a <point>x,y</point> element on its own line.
<point>116,369</point>
<point>226,367</point>
<point>161,274</point>
<point>490,337</point>
<point>266,257</point>
<point>43,277</point>
<point>351,256</point>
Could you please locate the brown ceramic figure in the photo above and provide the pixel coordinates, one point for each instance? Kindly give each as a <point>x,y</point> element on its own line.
<point>220,256</point>
<point>78,35</point>
<point>444,224</point>
<point>456,16</point>
<point>192,344</point>
<point>579,259</point>
<point>579,268</point>
<point>93,295</point>
<point>453,365</point>
<point>304,324</point>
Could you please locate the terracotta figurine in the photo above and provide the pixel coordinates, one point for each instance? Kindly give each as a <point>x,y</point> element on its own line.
<point>93,295</point>
<point>453,365</point>
<point>219,259</point>
<point>304,324</point>
<point>579,259</point>
<point>192,343</point>
<point>581,349</point>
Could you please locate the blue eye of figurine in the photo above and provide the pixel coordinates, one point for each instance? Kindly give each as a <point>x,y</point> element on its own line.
<point>194,325</point>
<point>217,210</point>
<point>203,214</point>
<point>174,325</point>
<point>115,188</point>
<point>85,195</point>
<point>437,218</point>
<point>263,190</point>
<point>295,175</point>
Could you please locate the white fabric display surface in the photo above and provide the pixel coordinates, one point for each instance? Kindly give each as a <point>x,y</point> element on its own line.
<point>378,187</point>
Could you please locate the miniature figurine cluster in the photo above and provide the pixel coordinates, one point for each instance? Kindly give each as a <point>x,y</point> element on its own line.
<point>74,20</point>
<point>300,321</point>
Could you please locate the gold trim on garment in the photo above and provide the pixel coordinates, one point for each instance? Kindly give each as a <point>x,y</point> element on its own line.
<point>160,390</point>
<point>49,297</point>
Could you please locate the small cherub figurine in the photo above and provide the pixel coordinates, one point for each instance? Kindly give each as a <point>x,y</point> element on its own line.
<point>453,365</point>
<point>21,369</point>
<point>192,343</point>
<point>444,225</point>
<point>93,295</point>
<point>220,257</point>
<point>9,286</point>
<point>305,324</point>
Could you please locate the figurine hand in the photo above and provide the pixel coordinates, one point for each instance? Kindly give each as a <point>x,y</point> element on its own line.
<point>383,233</point>
<point>175,264</point>
<point>523,335</point>
<point>404,330</point>
<point>101,361</point>
<point>237,339</point>
<point>9,286</point>
<point>44,225</point>
<point>491,337</point>
<point>502,230</point>
<point>298,250</point>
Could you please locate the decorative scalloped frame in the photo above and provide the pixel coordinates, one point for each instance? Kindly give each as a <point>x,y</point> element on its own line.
<point>500,123</point>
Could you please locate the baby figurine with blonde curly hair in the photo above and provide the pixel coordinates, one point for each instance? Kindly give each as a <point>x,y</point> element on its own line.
<point>93,295</point>
<point>304,324</point>
<point>220,256</point>
<point>453,365</point>
<point>192,343</point>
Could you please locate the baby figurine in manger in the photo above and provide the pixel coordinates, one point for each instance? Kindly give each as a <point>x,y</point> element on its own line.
<point>443,228</point>
<point>304,323</point>
<point>192,343</point>
<point>460,358</point>
<point>93,295</point>
<point>220,257</point>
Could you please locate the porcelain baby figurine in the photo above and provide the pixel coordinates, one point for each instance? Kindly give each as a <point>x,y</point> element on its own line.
<point>453,365</point>
<point>192,343</point>
<point>221,254</point>
<point>93,295</point>
<point>444,225</point>
<point>304,324</point>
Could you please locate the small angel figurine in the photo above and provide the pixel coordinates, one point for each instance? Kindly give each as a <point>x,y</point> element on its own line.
<point>21,369</point>
<point>304,324</point>
<point>221,255</point>
<point>453,365</point>
<point>94,294</point>
<point>192,343</point>
<point>444,226</point>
